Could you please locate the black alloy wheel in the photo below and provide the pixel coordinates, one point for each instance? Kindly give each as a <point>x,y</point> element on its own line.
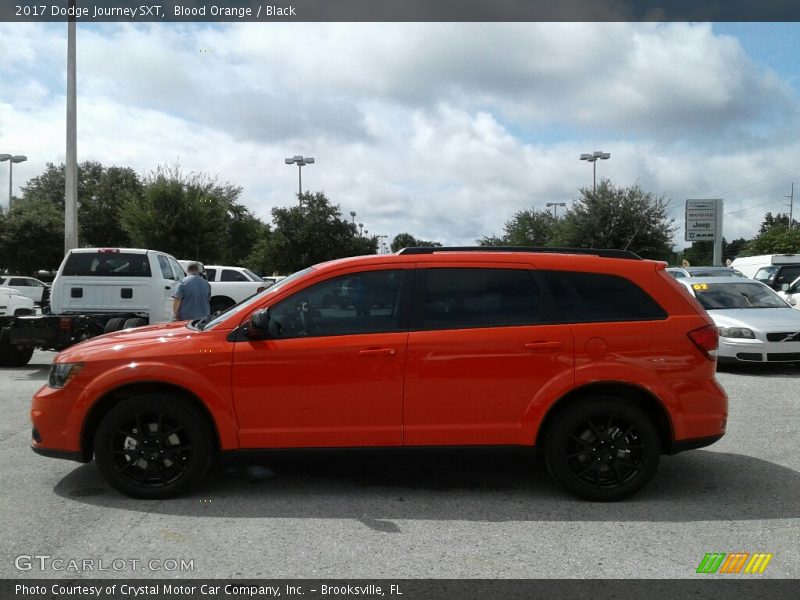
<point>153,446</point>
<point>603,449</point>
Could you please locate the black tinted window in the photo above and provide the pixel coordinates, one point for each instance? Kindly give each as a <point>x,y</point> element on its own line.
<point>596,297</point>
<point>211,274</point>
<point>365,302</point>
<point>231,275</point>
<point>462,298</point>
<point>107,264</point>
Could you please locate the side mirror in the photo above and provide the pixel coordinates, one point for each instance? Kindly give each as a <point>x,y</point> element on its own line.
<point>785,287</point>
<point>258,326</point>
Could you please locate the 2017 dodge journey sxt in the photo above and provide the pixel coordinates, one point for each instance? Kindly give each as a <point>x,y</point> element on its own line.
<point>598,359</point>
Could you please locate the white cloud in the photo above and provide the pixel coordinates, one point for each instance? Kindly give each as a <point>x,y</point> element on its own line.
<point>441,130</point>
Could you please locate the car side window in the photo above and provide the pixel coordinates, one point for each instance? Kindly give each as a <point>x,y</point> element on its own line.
<point>597,297</point>
<point>166,270</point>
<point>177,269</point>
<point>231,275</point>
<point>460,298</point>
<point>365,302</point>
<point>19,282</point>
<point>211,274</point>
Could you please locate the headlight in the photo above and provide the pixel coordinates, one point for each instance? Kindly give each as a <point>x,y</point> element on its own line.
<point>736,332</point>
<point>61,373</point>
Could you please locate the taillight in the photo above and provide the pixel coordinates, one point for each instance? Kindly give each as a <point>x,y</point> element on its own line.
<point>260,289</point>
<point>65,324</point>
<point>707,339</point>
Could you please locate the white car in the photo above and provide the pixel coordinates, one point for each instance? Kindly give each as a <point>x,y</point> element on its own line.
<point>27,286</point>
<point>14,304</point>
<point>755,324</point>
<point>791,293</point>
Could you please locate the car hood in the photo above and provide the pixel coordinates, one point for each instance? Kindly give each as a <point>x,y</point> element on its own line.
<point>111,345</point>
<point>762,319</point>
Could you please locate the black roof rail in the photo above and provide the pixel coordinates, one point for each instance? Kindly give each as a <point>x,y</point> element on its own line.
<point>605,253</point>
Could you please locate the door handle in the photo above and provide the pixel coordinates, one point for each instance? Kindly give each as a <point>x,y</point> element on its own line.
<point>543,346</point>
<point>378,352</point>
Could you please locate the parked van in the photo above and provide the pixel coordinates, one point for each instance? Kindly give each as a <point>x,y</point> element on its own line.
<point>772,269</point>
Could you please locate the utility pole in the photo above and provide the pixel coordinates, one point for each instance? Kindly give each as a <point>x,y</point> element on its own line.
<point>791,205</point>
<point>71,179</point>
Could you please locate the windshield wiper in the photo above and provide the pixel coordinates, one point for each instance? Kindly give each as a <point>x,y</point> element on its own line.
<point>200,323</point>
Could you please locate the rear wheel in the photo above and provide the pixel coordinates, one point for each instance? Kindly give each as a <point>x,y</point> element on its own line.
<point>602,449</point>
<point>114,324</point>
<point>135,322</point>
<point>153,446</point>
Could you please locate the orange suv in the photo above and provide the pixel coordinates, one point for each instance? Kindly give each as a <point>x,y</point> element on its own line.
<point>596,358</point>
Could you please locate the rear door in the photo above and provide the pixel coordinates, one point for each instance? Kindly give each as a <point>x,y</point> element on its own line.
<point>479,357</point>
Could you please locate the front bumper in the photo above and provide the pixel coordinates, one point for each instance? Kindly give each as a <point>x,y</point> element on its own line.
<point>757,351</point>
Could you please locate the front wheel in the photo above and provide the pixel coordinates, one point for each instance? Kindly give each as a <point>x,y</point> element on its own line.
<point>153,446</point>
<point>602,449</point>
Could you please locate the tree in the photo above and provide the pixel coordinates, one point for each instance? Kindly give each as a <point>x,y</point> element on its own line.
<point>780,219</point>
<point>31,237</point>
<point>406,240</point>
<point>190,216</point>
<point>311,233</point>
<point>526,228</point>
<point>615,217</point>
<point>775,240</point>
<point>101,193</point>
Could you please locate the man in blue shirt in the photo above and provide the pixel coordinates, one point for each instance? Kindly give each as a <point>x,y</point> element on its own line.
<point>191,299</point>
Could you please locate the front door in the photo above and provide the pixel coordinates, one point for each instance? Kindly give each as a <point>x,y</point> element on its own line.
<point>331,373</point>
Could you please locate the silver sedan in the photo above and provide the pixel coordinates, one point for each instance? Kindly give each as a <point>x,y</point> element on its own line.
<point>755,324</point>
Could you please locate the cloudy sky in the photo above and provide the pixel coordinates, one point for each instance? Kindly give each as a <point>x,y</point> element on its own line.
<point>440,130</point>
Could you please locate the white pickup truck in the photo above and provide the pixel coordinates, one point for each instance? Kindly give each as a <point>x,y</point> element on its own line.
<point>231,285</point>
<point>96,291</point>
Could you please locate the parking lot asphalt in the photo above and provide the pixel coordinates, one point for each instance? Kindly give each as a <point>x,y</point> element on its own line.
<point>417,515</point>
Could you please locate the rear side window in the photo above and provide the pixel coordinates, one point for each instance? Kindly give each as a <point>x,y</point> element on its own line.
<point>211,274</point>
<point>598,297</point>
<point>231,275</point>
<point>465,298</point>
<point>106,264</point>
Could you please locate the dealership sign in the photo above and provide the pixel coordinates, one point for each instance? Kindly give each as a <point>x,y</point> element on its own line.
<point>703,220</point>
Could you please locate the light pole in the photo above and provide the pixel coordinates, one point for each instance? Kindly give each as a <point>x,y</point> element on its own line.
<point>592,158</point>
<point>353,215</point>
<point>555,206</point>
<point>360,229</point>
<point>381,243</point>
<point>16,158</point>
<point>301,162</point>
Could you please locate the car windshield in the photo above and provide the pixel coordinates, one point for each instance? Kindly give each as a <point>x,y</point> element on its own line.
<point>211,322</point>
<point>730,296</point>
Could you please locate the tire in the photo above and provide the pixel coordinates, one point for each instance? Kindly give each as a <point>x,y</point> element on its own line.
<point>178,440</point>
<point>135,322</point>
<point>602,449</point>
<point>114,324</point>
<point>13,356</point>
